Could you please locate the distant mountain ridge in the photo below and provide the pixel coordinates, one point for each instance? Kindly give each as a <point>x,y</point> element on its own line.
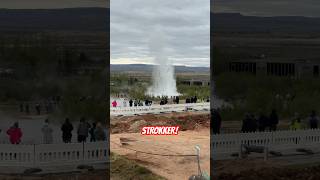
<point>70,19</point>
<point>97,19</point>
<point>148,68</point>
<point>235,22</point>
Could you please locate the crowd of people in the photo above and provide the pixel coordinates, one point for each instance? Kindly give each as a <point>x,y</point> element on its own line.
<point>262,122</point>
<point>131,103</point>
<point>193,99</point>
<point>96,131</point>
<point>46,106</point>
<point>163,101</point>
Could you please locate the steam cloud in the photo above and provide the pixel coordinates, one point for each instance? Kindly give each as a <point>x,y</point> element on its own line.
<point>164,83</point>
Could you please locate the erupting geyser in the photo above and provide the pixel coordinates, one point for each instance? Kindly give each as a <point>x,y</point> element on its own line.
<point>163,78</point>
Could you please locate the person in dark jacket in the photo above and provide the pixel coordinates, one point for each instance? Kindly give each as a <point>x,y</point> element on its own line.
<point>21,107</point>
<point>27,108</point>
<point>100,133</point>
<point>92,132</point>
<point>273,120</point>
<point>253,123</point>
<point>249,124</point>
<point>191,100</point>
<point>165,100</point>
<point>177,99</point>
<point>313,120</point>
<point>38,108</point>
<point>130,103</point>
<point>83,130</point>
<point>67,129</point>
<point>216,121</point>
<point>262,122</point>
<point>245,123</point>
<point>187,100</point>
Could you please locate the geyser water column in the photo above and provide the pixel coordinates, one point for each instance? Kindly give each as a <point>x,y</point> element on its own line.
<point>163,78</point>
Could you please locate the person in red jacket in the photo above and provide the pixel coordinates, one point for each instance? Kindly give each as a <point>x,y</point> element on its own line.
<point>15,134</point>
<point>114,103</point>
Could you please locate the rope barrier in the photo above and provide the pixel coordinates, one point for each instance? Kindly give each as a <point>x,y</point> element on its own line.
<point>155,154</point>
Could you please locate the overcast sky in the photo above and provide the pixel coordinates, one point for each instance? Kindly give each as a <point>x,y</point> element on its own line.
<point>310,8</point>
<point>184,24</point>
<point>51,4</point>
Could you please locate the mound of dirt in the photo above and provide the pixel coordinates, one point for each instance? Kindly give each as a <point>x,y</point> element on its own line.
<point>186,121</point>
<point>308,173</point>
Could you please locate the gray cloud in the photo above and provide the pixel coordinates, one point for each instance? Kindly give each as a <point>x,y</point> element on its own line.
<point>186,24</point>
<point>309,8</point>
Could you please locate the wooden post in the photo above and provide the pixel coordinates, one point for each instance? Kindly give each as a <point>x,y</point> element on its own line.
<point>266,153</point>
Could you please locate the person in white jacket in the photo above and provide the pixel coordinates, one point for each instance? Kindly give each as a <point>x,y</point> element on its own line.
<point>47,133</point>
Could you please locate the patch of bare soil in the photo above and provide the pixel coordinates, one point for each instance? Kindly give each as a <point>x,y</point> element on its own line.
<point>238,165</point>
<point>186,121</point>
<point>91,175</point>
<point>169,167</point>
<point>271,173</point>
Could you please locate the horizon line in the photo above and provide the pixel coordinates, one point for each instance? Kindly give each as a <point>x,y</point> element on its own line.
<point>154,64</point>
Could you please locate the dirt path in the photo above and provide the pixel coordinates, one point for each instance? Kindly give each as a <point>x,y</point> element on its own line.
<point>168,167</point>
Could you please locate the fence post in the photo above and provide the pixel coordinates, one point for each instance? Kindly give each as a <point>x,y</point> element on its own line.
<point>198,159</point>
<point>34,155</point>
<point>266,153</point>
<point>241,151</point>
<point>83,153</point>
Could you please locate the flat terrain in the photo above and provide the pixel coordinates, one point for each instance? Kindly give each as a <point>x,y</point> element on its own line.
<point>266,170</point>
<point>196,132</point>
<point>168,167</point>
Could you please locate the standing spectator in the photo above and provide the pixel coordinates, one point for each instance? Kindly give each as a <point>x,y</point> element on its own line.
<point>38,108</point>
<point>195,99</point>
<point>21,107</point>
<point>187,100</point>
<point>249,124</point>
<point>100,133</point>
<point>83,130</point>
<point>92,132</point>
<point>47,133</point>
<point>245,123</point>
<point>130,102</point>
<point>216,121</point>
<point>47,107</point>
<point>253,123</point>
<point>191,100</point>
<point>165,100</point>
<point>114,103</point>
<point>262,122</point>
<point>66,129</point>
<point>15,134</point>
<point>161,102</point>
<point>313,120</point>
<point>273,120</point>
<point>27,108</point>
<point>296,123</point>
<point>177,99</point>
